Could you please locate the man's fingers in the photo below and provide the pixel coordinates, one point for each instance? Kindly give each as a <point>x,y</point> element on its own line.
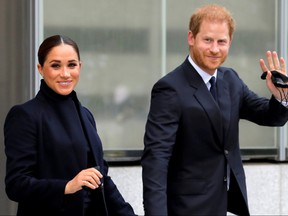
<point>283,65</point>
<point>263,65</point>
<point>276,61</point>
<point>270,60</point>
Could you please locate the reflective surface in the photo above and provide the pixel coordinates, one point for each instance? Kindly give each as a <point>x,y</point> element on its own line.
<point>122,54</point>
<point>119,46</point>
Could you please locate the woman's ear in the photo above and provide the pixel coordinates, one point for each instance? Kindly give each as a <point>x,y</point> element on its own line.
<point>40,70</point>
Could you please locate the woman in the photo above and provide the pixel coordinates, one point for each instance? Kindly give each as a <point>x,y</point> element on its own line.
<point>55,162</point>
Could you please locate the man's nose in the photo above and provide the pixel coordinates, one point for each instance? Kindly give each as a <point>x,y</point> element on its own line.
<point>214,47</point>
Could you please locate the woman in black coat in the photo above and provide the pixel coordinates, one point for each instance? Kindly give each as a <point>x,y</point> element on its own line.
<point>55,162</point>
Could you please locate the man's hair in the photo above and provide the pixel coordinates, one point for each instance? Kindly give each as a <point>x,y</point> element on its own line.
<point>214,13</point>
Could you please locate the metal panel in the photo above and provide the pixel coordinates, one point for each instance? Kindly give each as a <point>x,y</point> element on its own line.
<point>282,37</point>
<point>20,25</point>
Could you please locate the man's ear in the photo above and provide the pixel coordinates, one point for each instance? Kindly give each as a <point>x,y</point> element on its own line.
<point>190,38</point>
<point>231,40</point>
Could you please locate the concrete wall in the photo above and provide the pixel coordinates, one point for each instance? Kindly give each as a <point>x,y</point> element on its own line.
<point>267,186</point>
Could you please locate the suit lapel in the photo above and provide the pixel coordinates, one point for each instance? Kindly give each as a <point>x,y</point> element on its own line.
<point>211,108</point>
<point>204,97</point>
<point>223,99</point>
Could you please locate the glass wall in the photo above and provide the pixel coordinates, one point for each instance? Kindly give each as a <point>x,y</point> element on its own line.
<point>127,46</point>
<point>255,34</point>
<point>120,44</point>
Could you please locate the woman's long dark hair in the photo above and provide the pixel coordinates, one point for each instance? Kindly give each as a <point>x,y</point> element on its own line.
<point>50,43</point>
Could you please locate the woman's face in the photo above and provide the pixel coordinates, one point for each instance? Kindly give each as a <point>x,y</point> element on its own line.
<point>61,69</point>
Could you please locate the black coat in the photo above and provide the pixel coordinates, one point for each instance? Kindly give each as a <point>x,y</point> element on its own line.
<point>46,146</point>
<point>189,140</point>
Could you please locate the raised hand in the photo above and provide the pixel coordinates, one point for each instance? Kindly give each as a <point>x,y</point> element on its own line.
<point>274,64</point>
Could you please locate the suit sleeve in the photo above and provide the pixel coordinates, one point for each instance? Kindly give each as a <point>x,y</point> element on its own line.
<point>159,139</point>
<point>262,111</point>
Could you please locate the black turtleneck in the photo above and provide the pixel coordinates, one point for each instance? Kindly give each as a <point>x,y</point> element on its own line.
<point>52,95</point>
<point>71,103</point>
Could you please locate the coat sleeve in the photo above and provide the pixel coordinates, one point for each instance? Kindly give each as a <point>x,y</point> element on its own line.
<point>159,139</point>
<point>22,184</point>
<point>116,205</point>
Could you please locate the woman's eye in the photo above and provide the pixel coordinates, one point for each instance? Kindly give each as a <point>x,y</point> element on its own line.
<point>55,65</point>
<point>72,65</point>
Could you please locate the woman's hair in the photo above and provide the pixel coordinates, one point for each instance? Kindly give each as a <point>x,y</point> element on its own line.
<point>214,13</point>
<point>51,42</point>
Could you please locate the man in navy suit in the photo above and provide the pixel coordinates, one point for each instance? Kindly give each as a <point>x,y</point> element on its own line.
<point>191,161</point>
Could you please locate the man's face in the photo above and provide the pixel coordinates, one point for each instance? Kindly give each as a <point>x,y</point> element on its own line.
<point>210,47</point>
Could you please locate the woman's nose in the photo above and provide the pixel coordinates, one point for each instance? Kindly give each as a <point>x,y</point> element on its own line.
<point>65,72</point>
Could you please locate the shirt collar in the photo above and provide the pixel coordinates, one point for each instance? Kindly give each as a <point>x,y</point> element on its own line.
<point>205,76</point>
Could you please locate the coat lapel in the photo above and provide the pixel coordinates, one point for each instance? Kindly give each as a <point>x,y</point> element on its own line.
<point>92,136</point>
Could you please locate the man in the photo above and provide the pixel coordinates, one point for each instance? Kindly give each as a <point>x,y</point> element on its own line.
<point>191,161</point>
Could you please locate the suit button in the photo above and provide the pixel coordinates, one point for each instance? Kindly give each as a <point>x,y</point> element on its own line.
<point>225,179</point>
<point>226,152</point>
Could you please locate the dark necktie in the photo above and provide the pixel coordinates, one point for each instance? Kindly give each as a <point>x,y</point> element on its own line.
<point>213,91</point>
<point>213,87</point>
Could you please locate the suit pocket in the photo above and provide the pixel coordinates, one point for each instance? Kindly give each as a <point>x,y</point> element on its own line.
<point>188,187</point>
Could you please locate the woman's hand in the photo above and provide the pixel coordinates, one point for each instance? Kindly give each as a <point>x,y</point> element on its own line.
<point>274,63</point>
<point>86,178</point>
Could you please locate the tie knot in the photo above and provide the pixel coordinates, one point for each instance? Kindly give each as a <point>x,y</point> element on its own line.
<point>213,87</point>
<point>212,81</point>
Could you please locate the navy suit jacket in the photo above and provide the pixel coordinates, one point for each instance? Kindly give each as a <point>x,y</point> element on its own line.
<point>189,140</point>
<point>46,146</point>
